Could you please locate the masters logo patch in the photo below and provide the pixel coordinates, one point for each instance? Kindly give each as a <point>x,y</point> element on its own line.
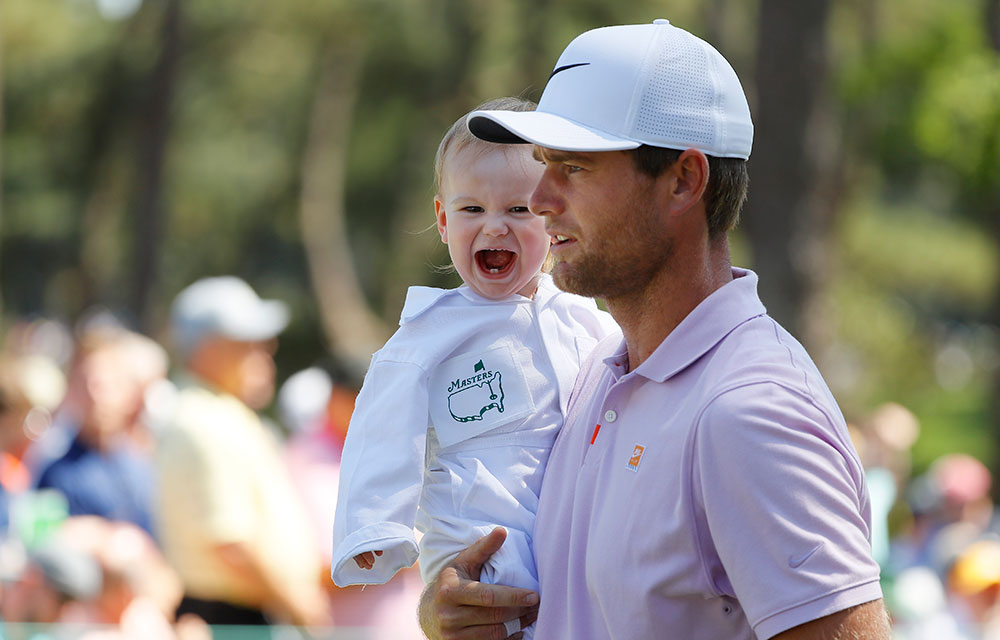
<point>470,398</point>
<point>476,392</point>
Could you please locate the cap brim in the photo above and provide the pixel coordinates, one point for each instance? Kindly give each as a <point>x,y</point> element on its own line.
<point>544,129</point>
<point>268,320</point>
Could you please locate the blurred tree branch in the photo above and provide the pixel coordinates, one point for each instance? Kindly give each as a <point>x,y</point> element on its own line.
<point>352,329</point>
<point>993,23</point>
<point>1,149</point>
<point>154,130</point>
<point>794,166</point>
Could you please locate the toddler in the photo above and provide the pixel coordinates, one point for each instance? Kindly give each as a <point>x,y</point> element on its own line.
<point>459,409</point>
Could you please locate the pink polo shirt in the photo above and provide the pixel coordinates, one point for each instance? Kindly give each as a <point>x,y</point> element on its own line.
<point>720,497</point>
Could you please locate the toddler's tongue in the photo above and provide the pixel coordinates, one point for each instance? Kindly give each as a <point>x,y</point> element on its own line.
<point>491,260</point>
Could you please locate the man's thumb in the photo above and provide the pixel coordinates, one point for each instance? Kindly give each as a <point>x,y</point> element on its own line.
<point>475,556</point>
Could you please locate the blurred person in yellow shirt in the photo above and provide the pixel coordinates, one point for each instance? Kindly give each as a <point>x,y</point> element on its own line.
<point>230,520</point>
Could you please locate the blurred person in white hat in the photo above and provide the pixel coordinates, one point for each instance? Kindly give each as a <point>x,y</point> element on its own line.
<point>704,485</point>
<point>229,518</point>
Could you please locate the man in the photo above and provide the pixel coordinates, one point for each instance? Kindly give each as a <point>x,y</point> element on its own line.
<point>57,584</point>
<point>704,485</point>
<point>103,471</point>
<point>230,520</point>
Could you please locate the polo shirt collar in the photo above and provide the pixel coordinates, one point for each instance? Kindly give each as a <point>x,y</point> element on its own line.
<point>712,320</point>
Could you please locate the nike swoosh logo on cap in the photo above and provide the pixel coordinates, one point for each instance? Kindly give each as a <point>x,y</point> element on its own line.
<point>567,66</point>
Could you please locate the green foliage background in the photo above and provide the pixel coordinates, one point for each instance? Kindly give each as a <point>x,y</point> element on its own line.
<point>912,304</point>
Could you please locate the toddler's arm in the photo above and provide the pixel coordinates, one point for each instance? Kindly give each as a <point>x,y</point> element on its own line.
<point>366,560</point>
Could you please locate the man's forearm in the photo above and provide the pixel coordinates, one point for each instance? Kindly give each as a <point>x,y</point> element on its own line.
<point>272,592</point>
<point>868,621</point>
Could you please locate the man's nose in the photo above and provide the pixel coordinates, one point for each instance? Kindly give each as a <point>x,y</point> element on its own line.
<point>543,201</point>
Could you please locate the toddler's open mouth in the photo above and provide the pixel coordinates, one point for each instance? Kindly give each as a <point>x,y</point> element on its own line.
<point>495,262</point>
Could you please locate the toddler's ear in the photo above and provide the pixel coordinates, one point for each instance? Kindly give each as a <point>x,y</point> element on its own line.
<point>442,219</point>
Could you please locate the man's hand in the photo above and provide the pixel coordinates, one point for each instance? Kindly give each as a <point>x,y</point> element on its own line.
<point>456,606</point>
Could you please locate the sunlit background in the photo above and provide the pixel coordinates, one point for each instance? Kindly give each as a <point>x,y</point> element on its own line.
<point>146,144</point>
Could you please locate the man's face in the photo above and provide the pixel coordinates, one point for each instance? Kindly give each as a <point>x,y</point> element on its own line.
<point>609,237</point>
<point>244,369</point>
<point>111,397</point>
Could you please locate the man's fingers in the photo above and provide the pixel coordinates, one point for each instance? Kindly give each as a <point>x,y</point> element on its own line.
<point>512,626</point>
<point>529,618</point>
<point>485,630</point>
<point>456,606</point>
<point>489,596</point>
<point>469,562</point>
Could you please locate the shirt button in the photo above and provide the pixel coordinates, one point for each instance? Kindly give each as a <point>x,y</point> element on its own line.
<point>610,415</point>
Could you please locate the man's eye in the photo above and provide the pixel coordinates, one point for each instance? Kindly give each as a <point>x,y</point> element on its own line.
<point>572,168</point>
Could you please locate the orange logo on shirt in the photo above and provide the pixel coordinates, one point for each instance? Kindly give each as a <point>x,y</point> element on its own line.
<point>633,462</point>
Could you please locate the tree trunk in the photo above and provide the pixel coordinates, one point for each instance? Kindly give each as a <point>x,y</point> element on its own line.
<point>1,166</point>
<point>148,218</point>
<point>794,166</point>
<point>353,331</point>
<point>992,22</point>
<point>100,241</point>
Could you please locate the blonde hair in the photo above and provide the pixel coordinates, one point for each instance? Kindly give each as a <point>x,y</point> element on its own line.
<point>458,136</point>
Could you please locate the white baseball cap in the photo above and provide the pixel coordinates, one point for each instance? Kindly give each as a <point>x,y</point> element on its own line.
<point>302,399</point>
<point>224,306</point>
<point>624,86</point>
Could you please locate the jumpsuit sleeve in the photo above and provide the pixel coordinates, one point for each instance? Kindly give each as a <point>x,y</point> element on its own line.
<point>381,474</point>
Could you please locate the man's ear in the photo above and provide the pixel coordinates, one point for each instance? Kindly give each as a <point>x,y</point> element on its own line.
<point>442,219</point>
<point>690,177</point>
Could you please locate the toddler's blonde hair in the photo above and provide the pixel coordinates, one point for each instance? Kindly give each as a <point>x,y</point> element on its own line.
<point>459,137</point>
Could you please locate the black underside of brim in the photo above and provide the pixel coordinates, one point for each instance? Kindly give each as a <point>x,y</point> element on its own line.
<point>488,130</point>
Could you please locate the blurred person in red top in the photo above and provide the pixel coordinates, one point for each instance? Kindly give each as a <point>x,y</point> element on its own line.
<point>30,388</point>
<point>951,505</point>
<point>316,406</point>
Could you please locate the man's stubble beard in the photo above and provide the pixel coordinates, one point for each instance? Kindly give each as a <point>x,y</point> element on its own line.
<point>616,269</point>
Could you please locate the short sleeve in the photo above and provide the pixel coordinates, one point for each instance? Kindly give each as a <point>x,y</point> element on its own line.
<point>784,521</point>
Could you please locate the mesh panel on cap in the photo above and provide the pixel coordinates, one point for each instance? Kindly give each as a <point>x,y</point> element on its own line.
<point>679,100</point>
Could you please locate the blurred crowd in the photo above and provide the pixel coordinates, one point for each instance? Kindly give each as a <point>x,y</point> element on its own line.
<point>145,494</point>
<point>935,534</point>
